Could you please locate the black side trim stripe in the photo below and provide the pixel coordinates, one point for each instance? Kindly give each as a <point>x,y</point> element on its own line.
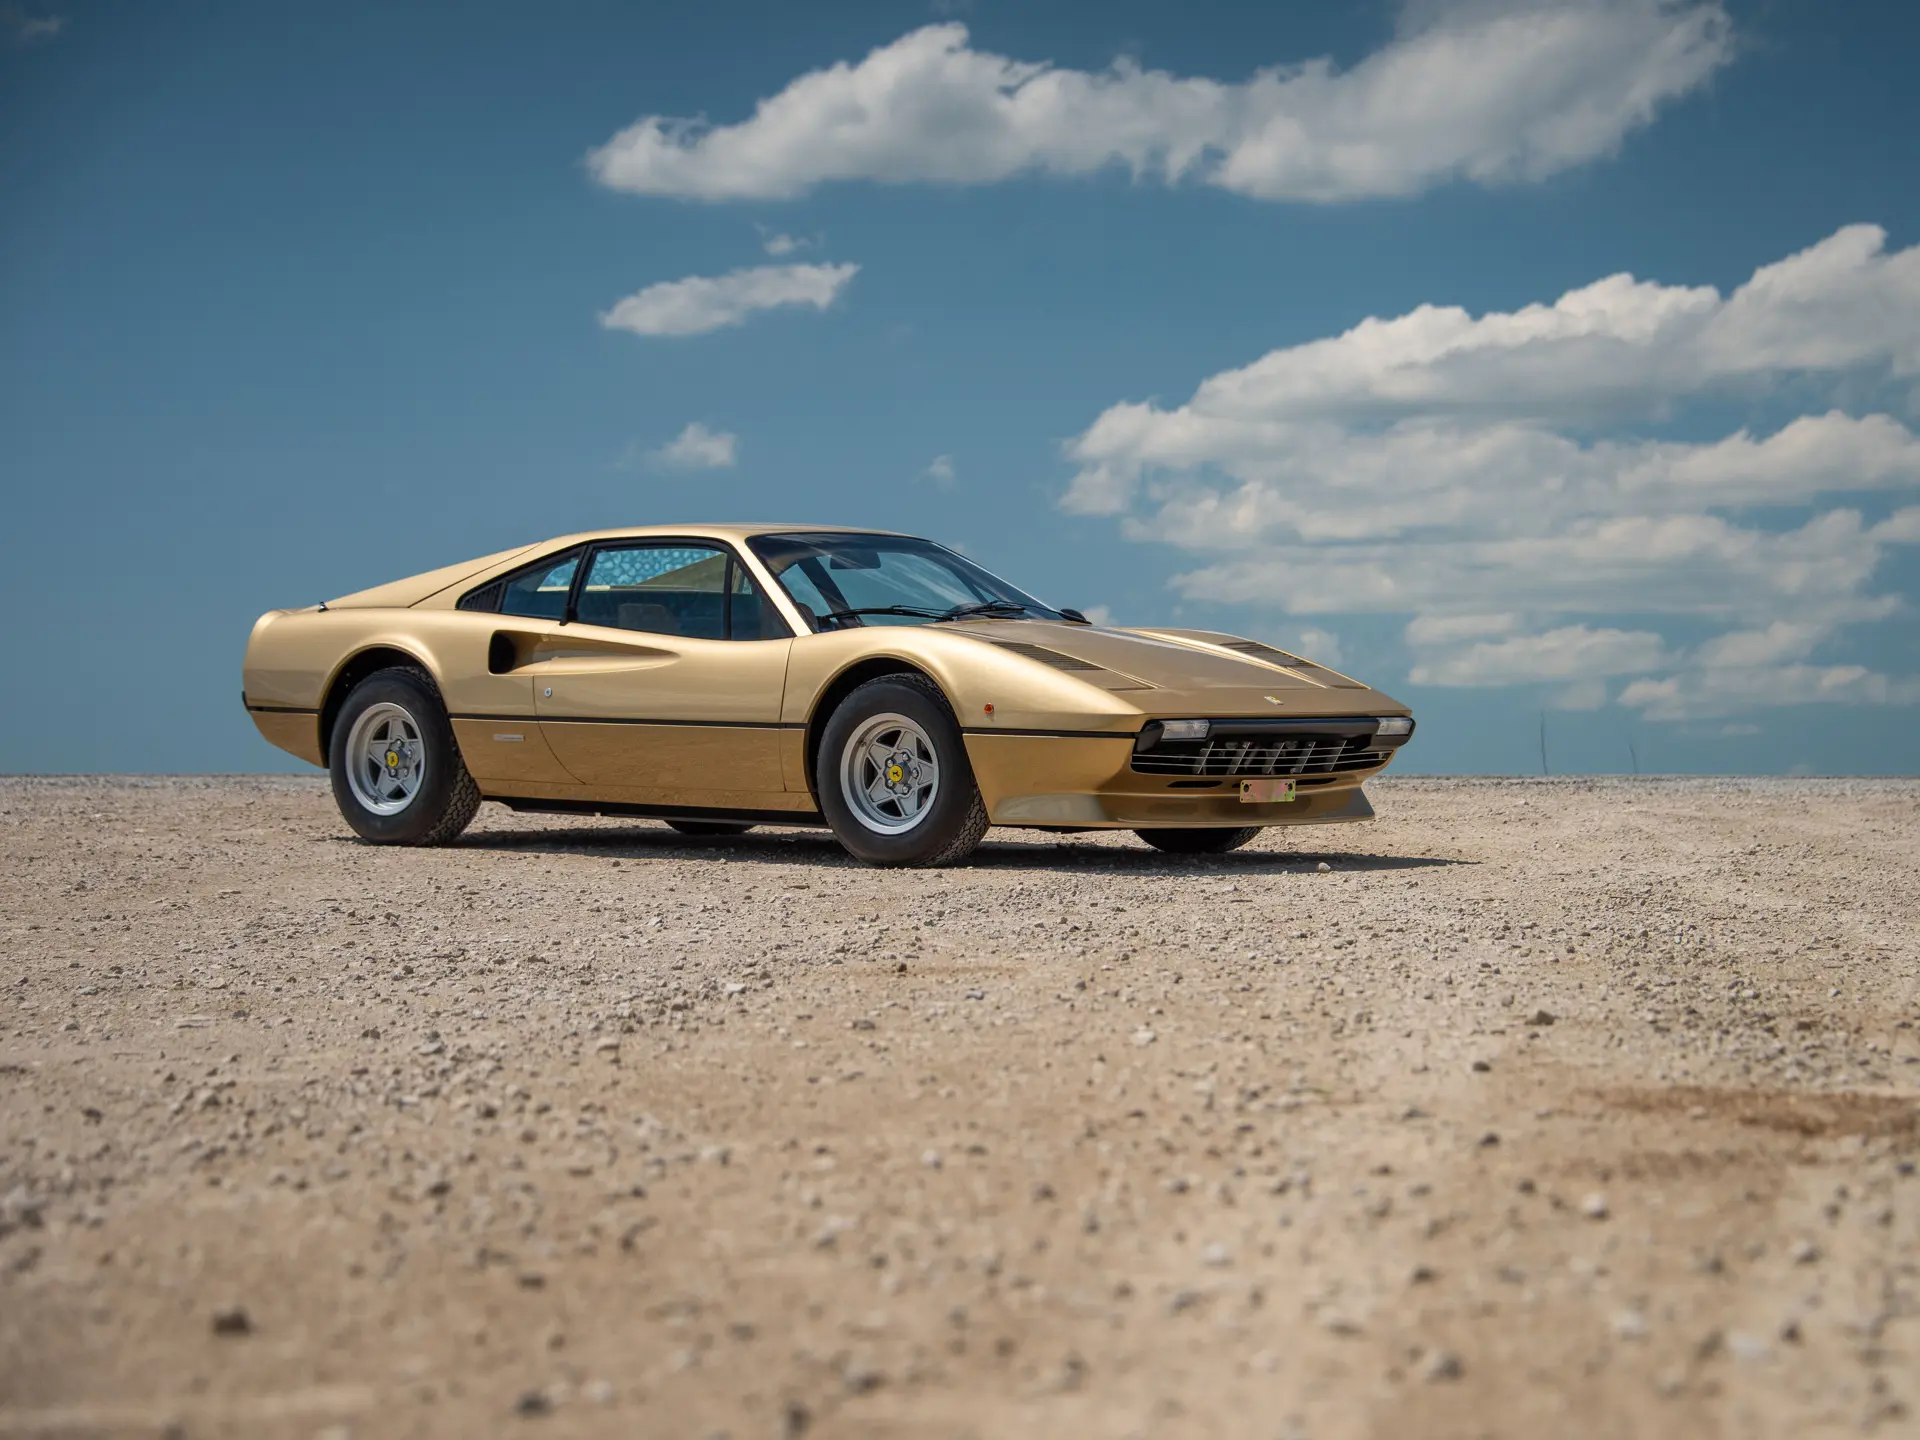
<point>280,710</point>
<point>657,812</point>
<point>625,720</point>
<point>1126,735</point>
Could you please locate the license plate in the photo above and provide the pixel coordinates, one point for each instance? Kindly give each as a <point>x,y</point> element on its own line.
<point>1265,792</point>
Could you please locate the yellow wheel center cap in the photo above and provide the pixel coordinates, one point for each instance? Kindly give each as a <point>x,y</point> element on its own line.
<point>393,759</point>
<point>895,774</point>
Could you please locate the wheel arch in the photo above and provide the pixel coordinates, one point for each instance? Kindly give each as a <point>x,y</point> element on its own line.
<point>844,684</point>
<point>355,668</point>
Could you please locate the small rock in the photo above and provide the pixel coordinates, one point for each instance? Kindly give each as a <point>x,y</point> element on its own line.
<point>1481,1067</point>
<point>1805,1252</point>
<point>1442,1365</point>
<point>533,1402</point>
<point>1323,868</point>
<point>1630,1325</point>
<point>232,1321</point>
<point>931,1159</point>
<point>1489,1139</point>
<point>1542,1017</point>
<point>1422,1275</point>
<point>1216,1255</point>
<point>1594,1207</point>
<point>1144,1036</point>
<point>1748,1349</point>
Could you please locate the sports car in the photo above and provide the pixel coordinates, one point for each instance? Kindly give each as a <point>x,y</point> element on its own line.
<point>719,677</point>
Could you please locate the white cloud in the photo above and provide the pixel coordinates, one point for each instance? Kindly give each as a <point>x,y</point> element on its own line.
<point>1490,477</point>
<point>698,448</point>
<point>1572,652</point>
<point>1316,644</point>
<point>1709,694</point>
<point>778,242</point>
<point>1490,93</point>
<point>25,29</point>
<point>1098,614</point>
<point>940,470</point>
<point>701,303</point>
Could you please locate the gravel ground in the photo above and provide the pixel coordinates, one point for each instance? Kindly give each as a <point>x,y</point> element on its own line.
<point>1533,1107</point>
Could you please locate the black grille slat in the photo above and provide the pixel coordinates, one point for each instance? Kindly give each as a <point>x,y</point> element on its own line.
<point>1243,757</point>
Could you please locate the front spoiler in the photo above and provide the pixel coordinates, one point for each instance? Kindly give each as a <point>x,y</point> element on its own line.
<point>1329,806</point>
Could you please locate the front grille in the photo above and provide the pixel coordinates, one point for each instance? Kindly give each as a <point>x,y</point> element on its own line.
<point>1236,756</point>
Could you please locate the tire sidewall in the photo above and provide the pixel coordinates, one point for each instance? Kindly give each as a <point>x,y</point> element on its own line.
<point>951,805</point>
<point>430,803</point>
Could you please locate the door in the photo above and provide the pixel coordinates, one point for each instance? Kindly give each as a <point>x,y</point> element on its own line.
<point>664,686</point>
<point>489,699</point>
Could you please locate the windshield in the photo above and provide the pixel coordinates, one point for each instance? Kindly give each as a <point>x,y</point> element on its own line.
<point>841,580</point>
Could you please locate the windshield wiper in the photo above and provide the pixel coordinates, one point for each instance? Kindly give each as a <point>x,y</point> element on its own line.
<point>986,607</point>
<point>919,610</point>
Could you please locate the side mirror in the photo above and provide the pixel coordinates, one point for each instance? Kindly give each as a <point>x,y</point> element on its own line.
<point>1073,615</point>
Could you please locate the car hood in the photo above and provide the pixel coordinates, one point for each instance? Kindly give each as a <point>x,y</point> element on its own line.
<point>1201,666</point>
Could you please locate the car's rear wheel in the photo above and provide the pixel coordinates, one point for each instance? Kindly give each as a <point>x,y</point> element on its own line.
<point>1199,840</point>
<point>709,827</point>
<point>397,773</point>
<point>892,776</point>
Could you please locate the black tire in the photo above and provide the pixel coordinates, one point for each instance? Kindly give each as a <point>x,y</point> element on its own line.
<point>447,799</point>
<point>706,828</point>
<point>954,819</point>
<point>1199,840</point>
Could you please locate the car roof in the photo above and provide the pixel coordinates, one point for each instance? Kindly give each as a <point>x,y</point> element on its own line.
<point>708,530</point>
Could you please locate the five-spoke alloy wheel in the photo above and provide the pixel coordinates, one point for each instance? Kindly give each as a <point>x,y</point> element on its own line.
<point>892,776</point>
<point>397,773</point>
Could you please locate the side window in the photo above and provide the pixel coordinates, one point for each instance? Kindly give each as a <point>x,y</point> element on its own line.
<point>540,593</point>
<point>659,589</point>
<point>753,617</point>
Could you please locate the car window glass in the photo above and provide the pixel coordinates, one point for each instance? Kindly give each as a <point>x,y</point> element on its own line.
<point>799,585</point>
<point>753,617</point>
<point>659,589</point>
<point>540,593</point>
<point>893,577</point>
<point>853,578</point>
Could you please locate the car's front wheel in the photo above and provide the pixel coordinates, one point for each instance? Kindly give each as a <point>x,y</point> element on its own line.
<point>397,773</point>
<point>892,776</point>
<point>1199,840</point>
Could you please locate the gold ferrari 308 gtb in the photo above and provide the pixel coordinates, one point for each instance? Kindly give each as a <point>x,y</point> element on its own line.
<point>722,676</point>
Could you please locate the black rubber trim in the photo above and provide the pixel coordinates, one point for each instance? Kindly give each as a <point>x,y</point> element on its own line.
<point>280,709</point>
<point>656,812</point>
<point>625,720</point>
<point>1049,734</point>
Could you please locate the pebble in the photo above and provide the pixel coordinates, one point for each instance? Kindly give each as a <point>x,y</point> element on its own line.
<point>1594,1206</point>
<point>1442,1365</point>
<point>233,1320</point>
<point>1630,1325</point>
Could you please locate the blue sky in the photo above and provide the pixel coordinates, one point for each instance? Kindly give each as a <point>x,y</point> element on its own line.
<point>294,300</point>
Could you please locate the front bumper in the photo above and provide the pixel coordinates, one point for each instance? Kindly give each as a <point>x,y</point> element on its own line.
<point>1088,782</point>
